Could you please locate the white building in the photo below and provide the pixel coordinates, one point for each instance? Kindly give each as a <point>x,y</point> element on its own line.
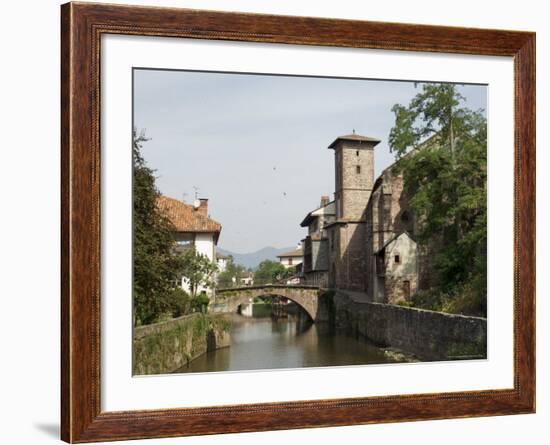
<point>193,228</point>
<point>292,258</point>
<point>222,261</point>
<point>248,279</point>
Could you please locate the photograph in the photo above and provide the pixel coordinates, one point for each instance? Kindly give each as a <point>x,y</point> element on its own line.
<point>301,221</point>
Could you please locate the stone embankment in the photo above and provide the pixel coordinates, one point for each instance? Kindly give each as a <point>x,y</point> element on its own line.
<point>163,348</point>
<point>427,334</point>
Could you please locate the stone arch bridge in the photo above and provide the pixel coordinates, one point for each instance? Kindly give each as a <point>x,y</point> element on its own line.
<point>307,297</point>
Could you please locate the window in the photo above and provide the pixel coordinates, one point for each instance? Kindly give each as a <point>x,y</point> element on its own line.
<point>358,169</point>
<point>397,259</point>
<point>356,152</point>
<point>290,261</point>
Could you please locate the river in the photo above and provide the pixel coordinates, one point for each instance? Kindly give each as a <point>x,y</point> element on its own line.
<point>262,342</point>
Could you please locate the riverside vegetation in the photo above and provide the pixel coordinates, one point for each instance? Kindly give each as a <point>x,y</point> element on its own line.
<point>441,149</point>
<point>158,267</point>
<point>171,326</point>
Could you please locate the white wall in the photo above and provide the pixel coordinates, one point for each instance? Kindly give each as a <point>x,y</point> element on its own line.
<point>204,244</point>
<point>289,262</point>
<point>30,197</point>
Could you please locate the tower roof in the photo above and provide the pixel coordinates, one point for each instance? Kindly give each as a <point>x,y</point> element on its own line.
<point>354,137</point>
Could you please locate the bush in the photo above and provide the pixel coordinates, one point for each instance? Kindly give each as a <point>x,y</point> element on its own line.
<point>200,303</point>
<point>428,299</point>
<point>465,299</point>
<point>180,302</point>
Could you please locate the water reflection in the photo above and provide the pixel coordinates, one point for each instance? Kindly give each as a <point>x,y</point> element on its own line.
<point>293,342</point>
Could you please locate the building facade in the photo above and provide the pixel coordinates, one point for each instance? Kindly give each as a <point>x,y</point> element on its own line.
<point>366,241</point>
<point>221,261</point>
<point>193,228</point>
<point>354,180</point>
<point>392,267</point>
<point>292,258</point>
<point>315,265</point>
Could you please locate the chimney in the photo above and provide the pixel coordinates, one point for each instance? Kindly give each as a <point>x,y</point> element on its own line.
<point>203,207</point>
<point>324,201</point>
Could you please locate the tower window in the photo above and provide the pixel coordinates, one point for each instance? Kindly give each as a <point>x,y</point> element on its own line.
<point>397,259</point>
<point>358,169</point>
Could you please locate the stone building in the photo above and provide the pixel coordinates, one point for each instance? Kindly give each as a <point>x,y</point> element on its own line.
<point>316,245</point>
<point>354,180</point>
<point>391,267</point>
<point>370,239</point>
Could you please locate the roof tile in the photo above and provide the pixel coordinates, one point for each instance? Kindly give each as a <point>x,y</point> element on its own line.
<point>186,218</point>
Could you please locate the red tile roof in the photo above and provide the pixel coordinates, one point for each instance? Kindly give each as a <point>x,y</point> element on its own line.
<point>186,218</point>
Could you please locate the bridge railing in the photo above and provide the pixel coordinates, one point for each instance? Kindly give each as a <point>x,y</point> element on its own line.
<point>267,286</point>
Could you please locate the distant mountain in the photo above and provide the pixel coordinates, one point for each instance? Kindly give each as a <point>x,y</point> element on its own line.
<point>251,260</point>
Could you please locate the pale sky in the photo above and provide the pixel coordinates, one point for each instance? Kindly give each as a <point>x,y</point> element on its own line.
<point>256,145</point>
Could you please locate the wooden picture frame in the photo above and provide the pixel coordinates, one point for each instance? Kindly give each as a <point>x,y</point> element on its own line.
<point>82,26</point>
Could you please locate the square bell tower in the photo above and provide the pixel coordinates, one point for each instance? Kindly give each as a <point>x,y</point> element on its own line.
<point>354,168</point>
<point>354,174</point>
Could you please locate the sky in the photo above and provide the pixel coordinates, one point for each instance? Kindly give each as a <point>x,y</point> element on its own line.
<point>256,145</point>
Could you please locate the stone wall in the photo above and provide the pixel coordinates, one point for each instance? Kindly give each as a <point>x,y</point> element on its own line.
<point>427,334</point>
<point>163,348</point>
<point>400,276</point>
<point>350,264</point>
<point>317,278</point>
<point>319,255</point>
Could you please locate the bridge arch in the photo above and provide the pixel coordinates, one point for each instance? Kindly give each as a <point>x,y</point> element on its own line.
<point>307,297</point>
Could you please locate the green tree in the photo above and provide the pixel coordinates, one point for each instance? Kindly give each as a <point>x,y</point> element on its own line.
<point>198,270</point>
<point>180,302</point>
<point>156,268</point>
<point>441,148</point>
<point>270,272</point>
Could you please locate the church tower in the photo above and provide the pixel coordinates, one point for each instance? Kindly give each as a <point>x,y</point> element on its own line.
<point>354,174</point>
<point>354,181</point>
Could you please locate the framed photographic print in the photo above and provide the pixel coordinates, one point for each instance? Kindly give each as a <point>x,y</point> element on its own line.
<point>274,222</point>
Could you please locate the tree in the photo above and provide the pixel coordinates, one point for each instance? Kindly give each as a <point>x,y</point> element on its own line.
<point>198,270</point>
<point>441,148</point>
<point>156,267</point>
<point>270,272</point>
